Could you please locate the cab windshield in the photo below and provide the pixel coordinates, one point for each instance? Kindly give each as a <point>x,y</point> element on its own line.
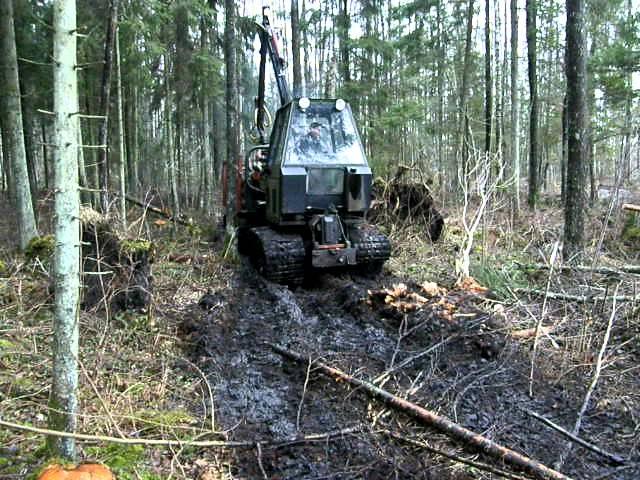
<point>322,135</point>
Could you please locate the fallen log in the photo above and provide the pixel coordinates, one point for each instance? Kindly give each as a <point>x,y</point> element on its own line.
<point>431,419</point>
<point>577,298</point>
<point>158,211</point>
<point>635,269</point>
<point>453,457</point>
<point>83,437</point>
<point>612,458</point>
<point>631,207</point>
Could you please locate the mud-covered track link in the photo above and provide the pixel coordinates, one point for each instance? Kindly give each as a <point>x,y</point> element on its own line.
<point>373,248</point>
<point>277,256</point>
<point>283,258</point>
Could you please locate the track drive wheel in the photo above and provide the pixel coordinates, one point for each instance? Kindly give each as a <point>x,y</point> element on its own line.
<point>276,256</point>
<point>373,248</point>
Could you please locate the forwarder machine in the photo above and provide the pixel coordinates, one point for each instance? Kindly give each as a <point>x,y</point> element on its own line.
<point>304,195</point>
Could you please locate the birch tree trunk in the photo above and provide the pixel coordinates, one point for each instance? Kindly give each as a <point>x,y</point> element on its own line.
<point>12,116</point>
<point>63,400</point>
<point>515,106</point>
<point>123,170</point>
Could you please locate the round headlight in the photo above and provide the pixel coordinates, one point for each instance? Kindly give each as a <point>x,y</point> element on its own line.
<point>304,103</point>
<point>340,104</point>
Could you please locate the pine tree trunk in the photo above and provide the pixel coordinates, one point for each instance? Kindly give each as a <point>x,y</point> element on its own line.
<point>534,181</point>
<point>12,118</point>
<point>515,106</point>
<point>168,135</point>
<point>344,24</point>
<point>488,87</point>
<point>295,49</point>
<point>85,196</point>
<point>440,95</point>
<point>29,128</point>
<point>133,144</point>
<point>7,156</point>
<point>45,156</point>
<point>576,71</point>
<point>563,152</point>
<point>206,199</point>
<point>182,87</point>
<point>63,399</point>
<point>307,70</point>
<point>590,147</point>
<point>105,96</point>
<point>233,130</point>
<point>463,121</point>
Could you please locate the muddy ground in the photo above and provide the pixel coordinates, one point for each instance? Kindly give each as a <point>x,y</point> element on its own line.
<point>474,367</point>
<point>476,375</point>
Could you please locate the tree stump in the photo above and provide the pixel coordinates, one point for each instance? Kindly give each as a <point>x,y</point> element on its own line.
<point>116,269</point>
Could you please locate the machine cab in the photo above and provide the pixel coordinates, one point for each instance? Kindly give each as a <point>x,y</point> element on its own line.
<point>316,162</point>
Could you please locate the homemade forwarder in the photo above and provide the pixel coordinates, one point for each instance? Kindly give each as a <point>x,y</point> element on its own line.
<point>304,195</point>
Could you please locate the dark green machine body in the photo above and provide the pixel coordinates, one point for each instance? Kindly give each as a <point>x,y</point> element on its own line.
<point>305,194</point>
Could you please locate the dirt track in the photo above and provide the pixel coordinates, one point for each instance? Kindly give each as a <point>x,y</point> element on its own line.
<point>477,378</point>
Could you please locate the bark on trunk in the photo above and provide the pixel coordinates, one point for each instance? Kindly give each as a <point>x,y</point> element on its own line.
<point>233,130</point>
<point>515,106</point>
<point>463,121</point>
<point>12,119</point>
<point>170,151</point>
<point>488,87</point>
<point>344,24</point>
<point>295,49</point>
<point>122,158</point>
<point>533,113</point>
<point>576,70</point>
<point>105,95</point>
<point>63,400</point>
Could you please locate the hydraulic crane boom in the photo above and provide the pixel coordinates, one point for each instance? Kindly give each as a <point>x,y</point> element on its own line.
<point>269,46</point>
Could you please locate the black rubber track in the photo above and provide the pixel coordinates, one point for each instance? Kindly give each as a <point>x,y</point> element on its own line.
<point>277,256</point>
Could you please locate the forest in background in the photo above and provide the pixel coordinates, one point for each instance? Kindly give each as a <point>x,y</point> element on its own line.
<point>433,84</point>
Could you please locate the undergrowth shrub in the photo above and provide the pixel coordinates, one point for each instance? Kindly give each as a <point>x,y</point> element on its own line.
<point>501,278</point>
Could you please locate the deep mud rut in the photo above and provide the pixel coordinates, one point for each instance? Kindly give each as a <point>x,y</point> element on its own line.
<point>474,377</point>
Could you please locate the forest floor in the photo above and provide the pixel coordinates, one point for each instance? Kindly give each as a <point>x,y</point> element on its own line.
<point>176,371</point>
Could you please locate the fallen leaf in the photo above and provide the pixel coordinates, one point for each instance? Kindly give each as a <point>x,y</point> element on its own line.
<point>470,284</point>
<point>399,290</point>
<point>530,332</point>
<point>432,289</point>
<point>416,297</point>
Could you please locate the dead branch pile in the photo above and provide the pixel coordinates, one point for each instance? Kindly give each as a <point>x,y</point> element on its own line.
<point>408,201</point>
